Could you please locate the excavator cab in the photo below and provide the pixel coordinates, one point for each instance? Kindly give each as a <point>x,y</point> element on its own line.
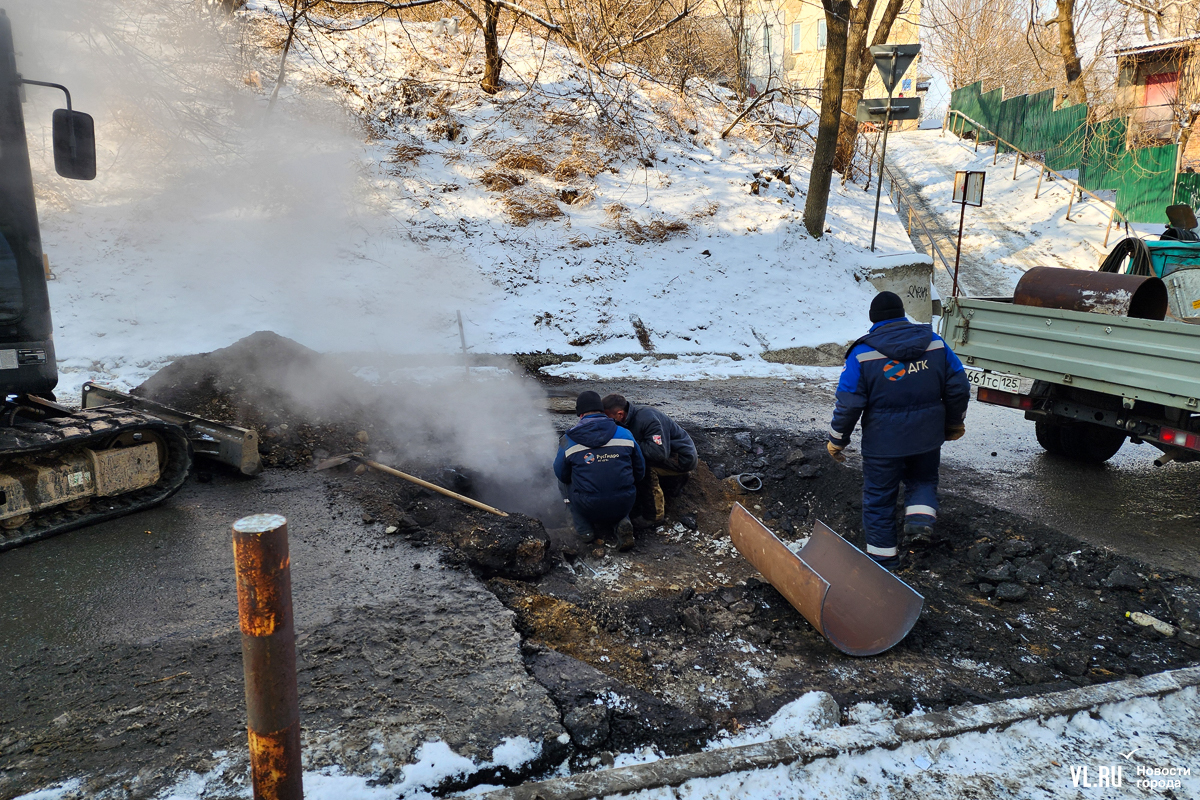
<point>27,365</point>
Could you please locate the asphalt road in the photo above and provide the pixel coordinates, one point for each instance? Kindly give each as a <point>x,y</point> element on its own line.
<point>1127,504</point>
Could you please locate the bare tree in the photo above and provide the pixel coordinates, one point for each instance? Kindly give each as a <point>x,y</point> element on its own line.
<point>342,15</point>
<point>983,40</point>
<point>837,16</point>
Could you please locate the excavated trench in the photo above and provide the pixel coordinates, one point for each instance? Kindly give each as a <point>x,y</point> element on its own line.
<point>678,640</point>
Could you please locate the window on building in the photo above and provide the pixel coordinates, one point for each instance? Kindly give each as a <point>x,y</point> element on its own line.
<point>767,38</point>
<point>795,37</point>
<point>822,35</point>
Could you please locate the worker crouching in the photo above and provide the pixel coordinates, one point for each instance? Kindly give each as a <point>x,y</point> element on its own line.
<point>599,465</point>
<point>669,451</point>
<point>911,393</point>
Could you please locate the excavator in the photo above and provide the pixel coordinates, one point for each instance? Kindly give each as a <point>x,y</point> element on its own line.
<point>64,468</point>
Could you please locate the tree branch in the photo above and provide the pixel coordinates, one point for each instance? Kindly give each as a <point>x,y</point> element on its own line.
<point>516,9</point>
<point>649,34</point>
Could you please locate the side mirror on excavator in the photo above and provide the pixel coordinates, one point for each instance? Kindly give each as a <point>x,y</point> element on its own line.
<point>74,145</point>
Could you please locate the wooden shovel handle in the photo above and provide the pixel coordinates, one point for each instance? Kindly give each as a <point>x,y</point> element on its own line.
<point>432,486</point>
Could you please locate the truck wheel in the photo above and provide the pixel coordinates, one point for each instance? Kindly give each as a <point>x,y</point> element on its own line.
<point>1084,441</point>
<point>1049,436</point>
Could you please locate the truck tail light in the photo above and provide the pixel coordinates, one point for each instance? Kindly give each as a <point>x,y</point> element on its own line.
<point>999,398</point>
<point>1179,438</point>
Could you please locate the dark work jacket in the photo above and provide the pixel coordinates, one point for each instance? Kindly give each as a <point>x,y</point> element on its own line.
<point>602,464</point>
<point>907,386</point>
<point>660,437</point>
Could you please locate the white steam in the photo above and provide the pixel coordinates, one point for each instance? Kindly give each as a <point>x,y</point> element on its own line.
<point>210,220</point>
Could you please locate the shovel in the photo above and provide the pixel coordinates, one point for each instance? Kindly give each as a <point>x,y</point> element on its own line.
<point>860,607</point>
<point>337,461</point>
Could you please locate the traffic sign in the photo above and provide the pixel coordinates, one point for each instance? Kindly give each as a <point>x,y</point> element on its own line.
<point>876,109</point>
<point>892,60</point>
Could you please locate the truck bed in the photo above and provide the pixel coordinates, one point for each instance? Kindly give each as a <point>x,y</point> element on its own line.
<point>1146,360</point>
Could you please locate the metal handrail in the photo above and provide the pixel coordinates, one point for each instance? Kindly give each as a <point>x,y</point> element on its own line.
<point>1028,157</point>
<point>916,215</point>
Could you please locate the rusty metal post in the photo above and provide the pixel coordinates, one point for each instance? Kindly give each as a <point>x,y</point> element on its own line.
<point>1070,203</point>
<point>264,589</point>
<point>1041,172</point>
<point>1016,164</point>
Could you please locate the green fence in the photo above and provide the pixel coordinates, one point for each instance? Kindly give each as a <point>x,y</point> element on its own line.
<point>1143,178</point>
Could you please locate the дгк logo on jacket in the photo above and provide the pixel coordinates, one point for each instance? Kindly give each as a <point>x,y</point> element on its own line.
<point>894,370</point>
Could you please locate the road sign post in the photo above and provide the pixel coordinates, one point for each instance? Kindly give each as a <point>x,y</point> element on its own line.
<point>891,60</point>
<point>968,191</point>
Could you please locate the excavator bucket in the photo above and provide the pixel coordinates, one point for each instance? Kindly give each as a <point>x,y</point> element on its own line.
<point>860,607</point>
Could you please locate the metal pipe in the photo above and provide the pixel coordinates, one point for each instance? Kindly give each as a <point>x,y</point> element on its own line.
<point>887,123</point>
<point>264,589</point>
<point>1134,296</point>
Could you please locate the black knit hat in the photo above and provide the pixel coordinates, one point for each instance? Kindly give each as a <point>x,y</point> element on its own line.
<point>885,306</point>
<point>588,402</point>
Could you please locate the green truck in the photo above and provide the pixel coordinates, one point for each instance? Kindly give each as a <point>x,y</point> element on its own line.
<point>1089,370</point>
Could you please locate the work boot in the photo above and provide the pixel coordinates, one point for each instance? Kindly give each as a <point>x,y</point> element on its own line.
<point>918,534</point>
<point>625,534</point>
<point>891,563</point>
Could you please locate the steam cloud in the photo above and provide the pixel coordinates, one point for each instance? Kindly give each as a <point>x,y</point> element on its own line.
<point>210,220</point>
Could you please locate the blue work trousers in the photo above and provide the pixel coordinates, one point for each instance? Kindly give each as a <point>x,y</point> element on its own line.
<point>588,527</point>
<point>882,477</point>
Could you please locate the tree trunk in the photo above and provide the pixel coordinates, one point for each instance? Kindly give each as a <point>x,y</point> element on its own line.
<point>1076,91</point>
<point>858,71</point>
<point>491,48</point>
<point>856,79</point>
<point>817,202</point>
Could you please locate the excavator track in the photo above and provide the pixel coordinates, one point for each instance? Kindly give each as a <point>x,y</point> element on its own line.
<point>95,429</point>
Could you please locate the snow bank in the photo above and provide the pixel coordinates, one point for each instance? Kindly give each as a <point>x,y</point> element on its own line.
<point>683,368</point>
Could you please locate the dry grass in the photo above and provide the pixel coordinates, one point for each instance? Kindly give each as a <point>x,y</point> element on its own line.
<point>406,153</point>
<point>576,164</point>
<point>706,209</point>
<point>526,158</point>
<point>524,207</point>
<point>657,229</point>
<point>500,180</point>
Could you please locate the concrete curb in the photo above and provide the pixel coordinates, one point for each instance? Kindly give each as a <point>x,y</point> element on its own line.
<point>805,748</point>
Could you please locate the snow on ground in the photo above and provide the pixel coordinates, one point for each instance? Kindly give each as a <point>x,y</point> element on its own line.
<point>1011,232</point>
<point>1031,760</point>
<point>590,236</point>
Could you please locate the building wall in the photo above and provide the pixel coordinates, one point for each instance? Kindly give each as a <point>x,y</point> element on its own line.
<point>804,65</point>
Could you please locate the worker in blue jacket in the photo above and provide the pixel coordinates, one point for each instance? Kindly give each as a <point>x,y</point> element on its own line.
<point>599,465</point>
<point>911,393</point>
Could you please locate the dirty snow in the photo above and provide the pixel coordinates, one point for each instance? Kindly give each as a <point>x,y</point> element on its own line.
<point>1037,759</point>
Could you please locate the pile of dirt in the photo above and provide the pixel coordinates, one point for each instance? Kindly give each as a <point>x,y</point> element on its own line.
<point>303,405</point>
